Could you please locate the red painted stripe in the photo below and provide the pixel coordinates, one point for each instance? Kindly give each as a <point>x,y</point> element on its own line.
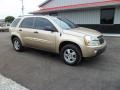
<point>78,5</point>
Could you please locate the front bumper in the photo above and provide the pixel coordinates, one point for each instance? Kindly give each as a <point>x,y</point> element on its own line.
<point>91,51</point>
<point>100,51</point>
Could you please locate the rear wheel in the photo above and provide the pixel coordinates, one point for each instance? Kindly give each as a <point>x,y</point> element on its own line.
<point>71,54</point>
<point>17,44</point>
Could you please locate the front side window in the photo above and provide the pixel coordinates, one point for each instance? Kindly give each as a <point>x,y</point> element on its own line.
<point>15,22</point>
<point>107,16</point>
<point>27,23</point>
<point>64,23</point>
<point>42,23</point>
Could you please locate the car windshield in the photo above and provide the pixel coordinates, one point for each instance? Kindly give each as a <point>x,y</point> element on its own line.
<point>64,23</point>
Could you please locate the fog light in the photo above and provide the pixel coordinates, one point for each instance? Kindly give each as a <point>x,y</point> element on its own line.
<point>95,51</point>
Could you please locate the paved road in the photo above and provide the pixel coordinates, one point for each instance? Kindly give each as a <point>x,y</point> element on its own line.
<point>39,70</point>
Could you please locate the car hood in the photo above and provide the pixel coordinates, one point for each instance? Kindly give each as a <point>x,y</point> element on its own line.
<point>82,32</point>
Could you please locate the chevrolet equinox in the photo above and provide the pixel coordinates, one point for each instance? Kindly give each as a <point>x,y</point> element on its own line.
<point>57,35</point>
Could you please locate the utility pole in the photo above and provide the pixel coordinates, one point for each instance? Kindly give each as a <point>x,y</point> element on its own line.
<point>22,7</point>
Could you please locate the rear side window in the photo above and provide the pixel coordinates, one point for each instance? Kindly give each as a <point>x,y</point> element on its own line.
<point>42,23</point>
<point>15,22</point>
<point>27,23</point>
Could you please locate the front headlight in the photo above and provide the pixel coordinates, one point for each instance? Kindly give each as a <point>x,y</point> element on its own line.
<point>91,41</point>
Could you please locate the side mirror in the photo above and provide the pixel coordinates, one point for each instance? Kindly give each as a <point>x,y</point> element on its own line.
<point>49,28</point>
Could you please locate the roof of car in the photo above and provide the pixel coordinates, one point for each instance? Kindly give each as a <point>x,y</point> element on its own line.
<point>44,16</point>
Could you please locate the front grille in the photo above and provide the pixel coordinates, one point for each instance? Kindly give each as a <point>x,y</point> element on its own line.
<point>101,39</point>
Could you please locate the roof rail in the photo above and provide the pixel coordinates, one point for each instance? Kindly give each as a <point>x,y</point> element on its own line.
<point>25,15</point>
<point>31,15</point>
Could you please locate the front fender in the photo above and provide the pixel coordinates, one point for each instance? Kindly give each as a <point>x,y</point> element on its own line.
<point>69,38</point>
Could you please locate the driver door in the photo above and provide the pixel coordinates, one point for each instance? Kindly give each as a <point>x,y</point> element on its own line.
<point>45,38</point>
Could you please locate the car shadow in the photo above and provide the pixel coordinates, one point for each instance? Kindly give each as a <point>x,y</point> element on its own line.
<point>92,60</point>
<point>44,54</point>
<point>56,58</point>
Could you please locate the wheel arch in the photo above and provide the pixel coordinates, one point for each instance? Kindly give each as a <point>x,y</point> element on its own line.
<point>15,36</point>
<point>62,44</point>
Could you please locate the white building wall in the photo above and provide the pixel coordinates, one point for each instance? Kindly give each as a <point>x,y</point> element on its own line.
<point>89,16</point>
<point>117,16</point>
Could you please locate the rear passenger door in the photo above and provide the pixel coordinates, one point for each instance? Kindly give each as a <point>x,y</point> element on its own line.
<point>27,32</point>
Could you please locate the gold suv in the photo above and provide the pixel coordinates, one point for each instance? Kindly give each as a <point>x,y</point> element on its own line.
<point>56,35</point>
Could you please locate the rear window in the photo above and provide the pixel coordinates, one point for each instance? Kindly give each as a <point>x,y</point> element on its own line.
<point>15,22</point>
<point>27,23</point>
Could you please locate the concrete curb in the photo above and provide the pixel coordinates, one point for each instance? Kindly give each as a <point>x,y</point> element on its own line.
<point>8,84</point>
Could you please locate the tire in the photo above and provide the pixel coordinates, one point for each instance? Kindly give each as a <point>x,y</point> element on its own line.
<point>17,45</point>
<point>71,54</point>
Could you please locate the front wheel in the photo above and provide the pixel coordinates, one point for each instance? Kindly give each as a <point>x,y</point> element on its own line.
<point>17,44</point>
<point>71,54</point>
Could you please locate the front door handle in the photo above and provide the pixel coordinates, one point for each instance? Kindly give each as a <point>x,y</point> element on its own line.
<point>35,32</point>
<point>20,30</point>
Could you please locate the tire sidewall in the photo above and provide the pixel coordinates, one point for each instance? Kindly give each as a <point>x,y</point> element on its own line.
<point>21,48</point>
<point>78,54</point>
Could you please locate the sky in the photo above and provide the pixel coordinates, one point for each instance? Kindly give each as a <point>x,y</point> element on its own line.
<point>13,7</point>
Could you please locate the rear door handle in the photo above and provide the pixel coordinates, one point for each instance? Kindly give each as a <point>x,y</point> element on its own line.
<point>20,30</point>
<point>35,32</point>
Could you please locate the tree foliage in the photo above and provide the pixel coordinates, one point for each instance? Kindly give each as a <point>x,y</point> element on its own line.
<point>9,19</point>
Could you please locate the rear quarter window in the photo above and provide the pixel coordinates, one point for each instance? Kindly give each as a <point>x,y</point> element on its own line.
<point>15,22</point>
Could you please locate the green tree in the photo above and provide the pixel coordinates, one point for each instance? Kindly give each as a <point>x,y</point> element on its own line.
<point>9,19</point>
